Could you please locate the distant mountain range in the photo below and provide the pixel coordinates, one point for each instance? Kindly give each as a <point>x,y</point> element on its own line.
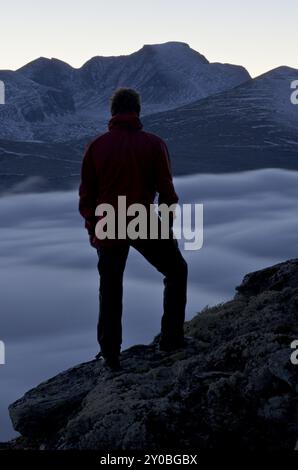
<point>47,92</point>
<point>214,117</point>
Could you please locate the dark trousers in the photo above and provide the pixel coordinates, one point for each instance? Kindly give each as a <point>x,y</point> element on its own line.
<point>165,256</point>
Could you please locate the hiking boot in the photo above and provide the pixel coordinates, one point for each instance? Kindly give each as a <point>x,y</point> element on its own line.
<point>111,363</point>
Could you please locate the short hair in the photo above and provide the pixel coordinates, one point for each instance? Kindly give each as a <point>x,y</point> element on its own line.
<point>125,100</point>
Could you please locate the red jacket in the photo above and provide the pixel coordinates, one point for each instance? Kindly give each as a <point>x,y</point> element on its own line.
<point>124,161</point>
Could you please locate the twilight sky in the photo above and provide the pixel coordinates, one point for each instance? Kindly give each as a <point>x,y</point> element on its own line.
<point>258,34</point>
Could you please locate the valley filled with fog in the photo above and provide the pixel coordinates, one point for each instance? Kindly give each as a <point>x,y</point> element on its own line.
<point>49,278</point>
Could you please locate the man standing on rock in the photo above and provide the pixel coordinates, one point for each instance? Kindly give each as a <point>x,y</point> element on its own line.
<point>127,161</point>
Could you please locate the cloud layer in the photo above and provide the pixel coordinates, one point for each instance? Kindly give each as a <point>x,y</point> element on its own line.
<point>49,279</point>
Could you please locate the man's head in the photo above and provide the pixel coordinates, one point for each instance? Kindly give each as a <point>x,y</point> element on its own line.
<point>125,100</point>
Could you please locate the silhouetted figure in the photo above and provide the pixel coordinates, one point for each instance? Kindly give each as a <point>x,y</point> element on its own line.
<point>130,162</point>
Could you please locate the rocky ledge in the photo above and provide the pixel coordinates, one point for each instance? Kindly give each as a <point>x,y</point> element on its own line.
<point>233,386</point>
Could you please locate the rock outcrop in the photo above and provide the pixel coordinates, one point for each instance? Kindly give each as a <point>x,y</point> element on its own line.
<point>233,386</point>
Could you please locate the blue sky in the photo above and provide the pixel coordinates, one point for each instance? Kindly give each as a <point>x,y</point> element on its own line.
<point>259,34</point>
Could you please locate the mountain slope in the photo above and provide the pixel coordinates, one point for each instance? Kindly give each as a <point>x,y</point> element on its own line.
<point>38,166</point>
<point>28,104</point>
<point>250,126</point>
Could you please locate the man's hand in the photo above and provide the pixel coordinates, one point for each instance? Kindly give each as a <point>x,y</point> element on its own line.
<point>93,241</point>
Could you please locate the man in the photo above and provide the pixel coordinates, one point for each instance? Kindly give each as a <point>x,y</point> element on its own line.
<point>126,161</point>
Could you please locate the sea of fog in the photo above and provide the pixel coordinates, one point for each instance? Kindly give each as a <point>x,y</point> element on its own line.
<point>49,280</point>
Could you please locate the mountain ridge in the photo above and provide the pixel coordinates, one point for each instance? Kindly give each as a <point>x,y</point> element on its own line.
<point>77,99</point>
<point>245,126</point>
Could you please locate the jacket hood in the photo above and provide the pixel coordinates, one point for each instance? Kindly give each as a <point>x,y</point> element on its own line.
<point>129,121</point>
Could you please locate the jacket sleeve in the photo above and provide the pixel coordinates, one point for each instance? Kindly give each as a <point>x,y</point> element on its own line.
<point>87,192</point>
<point>165,186</point>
